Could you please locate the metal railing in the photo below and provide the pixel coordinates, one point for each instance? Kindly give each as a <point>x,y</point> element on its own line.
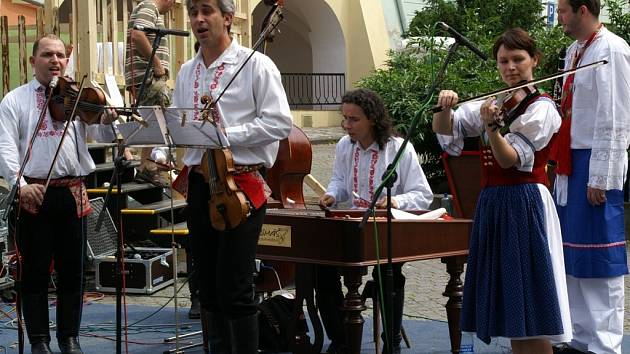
<point>314,90</point>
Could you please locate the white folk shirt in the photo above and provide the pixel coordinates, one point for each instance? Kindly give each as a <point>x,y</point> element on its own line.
<point>19,113</point>
<point>254,110</point>
<point>601,109</point>
<point>361,170</point>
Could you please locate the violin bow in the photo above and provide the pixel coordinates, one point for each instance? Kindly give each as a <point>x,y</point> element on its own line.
<point>437,109</point>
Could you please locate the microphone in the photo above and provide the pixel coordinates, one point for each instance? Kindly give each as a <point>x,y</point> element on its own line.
<point>53,83</point>
<point>462,40</point>
<point>161,31</point>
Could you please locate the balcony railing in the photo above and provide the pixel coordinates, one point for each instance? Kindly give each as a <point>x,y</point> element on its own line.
<point>314,91</point>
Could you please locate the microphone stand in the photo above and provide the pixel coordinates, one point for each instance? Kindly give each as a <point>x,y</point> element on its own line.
<point>120,163</point>
<point>388,180</point>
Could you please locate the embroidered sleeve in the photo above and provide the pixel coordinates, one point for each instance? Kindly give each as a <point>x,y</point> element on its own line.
<point>416,193</point>
<point>9,139</point>
<point>337,187</point>
<point>466,123</point>
<point>609,159</point>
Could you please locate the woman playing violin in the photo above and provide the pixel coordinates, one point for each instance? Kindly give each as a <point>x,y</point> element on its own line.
<point>515,284</point>
<point>51,221</point>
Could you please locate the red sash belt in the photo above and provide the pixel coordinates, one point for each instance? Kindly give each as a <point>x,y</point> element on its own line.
<point>74,184</point>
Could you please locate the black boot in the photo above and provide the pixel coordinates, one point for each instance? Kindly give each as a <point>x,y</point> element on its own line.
<point>193,285</point>
<point>244,334</point>
<point>35,311</point>
<point>397,308</point>
<point>40,345</point>
<point>195,312</point>
<point>329,306</point>
<point>329,298</point>
<point>218,333</point>
<point>69,345</point>
<point>69,307</point>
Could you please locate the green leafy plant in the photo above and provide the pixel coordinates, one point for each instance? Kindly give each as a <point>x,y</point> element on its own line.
<point>619,22</point>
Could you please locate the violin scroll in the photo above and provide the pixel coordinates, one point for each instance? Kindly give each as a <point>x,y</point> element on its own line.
<point>272,20</point>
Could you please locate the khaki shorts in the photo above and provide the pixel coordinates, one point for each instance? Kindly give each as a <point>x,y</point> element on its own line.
<point>156,93</point>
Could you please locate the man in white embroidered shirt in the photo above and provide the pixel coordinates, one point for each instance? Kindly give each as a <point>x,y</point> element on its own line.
<point>50,221</point>
<point>591,166</point>
<point>255,116</point>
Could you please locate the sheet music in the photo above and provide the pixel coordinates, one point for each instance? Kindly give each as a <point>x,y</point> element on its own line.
<point>430,215</point>
<point>165,126</point>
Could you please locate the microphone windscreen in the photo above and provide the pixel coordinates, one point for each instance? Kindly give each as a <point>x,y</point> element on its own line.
<point>53,82</point>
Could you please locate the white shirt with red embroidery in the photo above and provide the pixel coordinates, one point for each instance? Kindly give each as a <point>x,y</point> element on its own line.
<point>360,170</point>
<point>254,110</point>
<point>601,109</point>
<point>19,113</point>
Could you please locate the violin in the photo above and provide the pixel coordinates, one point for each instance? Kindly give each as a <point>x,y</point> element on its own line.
<point>228,206</point>
<point>510,105</point>
<point>89,108</point>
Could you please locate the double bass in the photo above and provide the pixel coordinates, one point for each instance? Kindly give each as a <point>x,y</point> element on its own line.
<point>293,163</point>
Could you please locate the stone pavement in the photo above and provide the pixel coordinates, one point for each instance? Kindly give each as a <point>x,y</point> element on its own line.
<point>425,279</point>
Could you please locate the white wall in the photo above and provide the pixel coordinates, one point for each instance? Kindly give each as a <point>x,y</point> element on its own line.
<point>291,39</point>
<point>310,38</point>
<point>398,15</point>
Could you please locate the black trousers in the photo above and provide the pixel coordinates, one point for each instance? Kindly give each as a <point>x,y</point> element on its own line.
<point>191,269</point>
<point>56,233</point>
<point>224,259</point>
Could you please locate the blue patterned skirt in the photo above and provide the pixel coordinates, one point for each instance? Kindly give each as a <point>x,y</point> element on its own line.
<point>509,289</point>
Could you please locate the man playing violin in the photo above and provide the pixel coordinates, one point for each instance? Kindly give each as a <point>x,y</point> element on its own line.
<point>592,162</point>
<point>515,284</point>
<point>50,222</point>
<point>255,116</point>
